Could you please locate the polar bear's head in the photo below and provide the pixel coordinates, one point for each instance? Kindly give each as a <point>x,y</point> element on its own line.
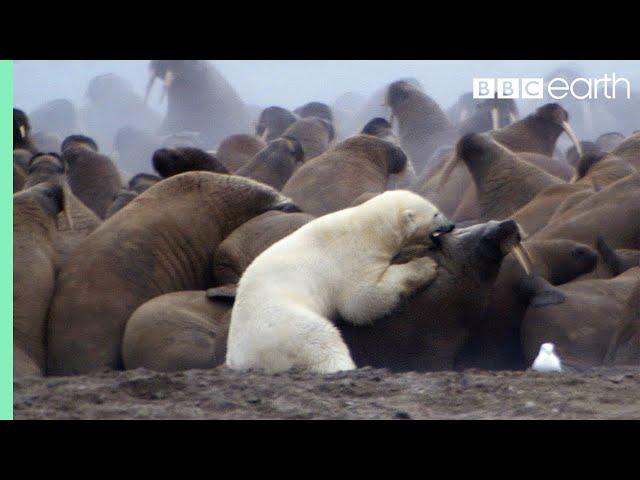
<point>419,222</point>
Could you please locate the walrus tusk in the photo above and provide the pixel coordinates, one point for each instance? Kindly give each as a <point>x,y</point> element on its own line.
<point>494,118</point>
<point>264,134</point>
<point>574,138</point>
<point>513,118</point>
<point>152,79</point>
<point>169,77</point>
<point>23,132</point>
<point>523,257</point>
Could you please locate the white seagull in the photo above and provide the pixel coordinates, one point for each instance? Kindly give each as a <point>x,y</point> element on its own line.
<point>547,360</point>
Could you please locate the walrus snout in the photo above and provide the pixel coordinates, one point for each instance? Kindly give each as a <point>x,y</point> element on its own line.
<point>471,145</point>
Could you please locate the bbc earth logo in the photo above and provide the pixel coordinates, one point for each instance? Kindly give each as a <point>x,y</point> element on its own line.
<point>606,87</point>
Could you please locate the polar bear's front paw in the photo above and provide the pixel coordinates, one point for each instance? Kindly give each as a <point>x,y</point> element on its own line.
<point>421,272</point>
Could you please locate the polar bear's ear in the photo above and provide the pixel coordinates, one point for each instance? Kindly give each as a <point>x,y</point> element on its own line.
<point>408,217</point>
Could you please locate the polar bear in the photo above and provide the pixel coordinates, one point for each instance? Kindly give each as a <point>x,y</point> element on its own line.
<point>341,264</point>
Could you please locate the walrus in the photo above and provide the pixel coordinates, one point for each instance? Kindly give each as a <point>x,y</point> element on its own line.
<point>314,134</point>
<point>177,331</point>
<point>503,181</point>
<point>274,164</point>
<point>490,114</point>
<point>236,150</point>
<point>163,241</point>
<point>22,131</point>
<point>315,109</point>
<point>381,128</point>
<point>35,212</point>
<point>169,162</point>
<point>78,220</point>
<point>422,125</point>
<point>76,140</point>
<point>93,177</point>
<point>333,180</point>
<point>59,117</point>
<point>495,337</point>
<point>273,122</point>
<point>199,99</point>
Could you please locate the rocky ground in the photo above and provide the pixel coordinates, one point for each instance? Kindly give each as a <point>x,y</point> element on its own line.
<point>367,393</point>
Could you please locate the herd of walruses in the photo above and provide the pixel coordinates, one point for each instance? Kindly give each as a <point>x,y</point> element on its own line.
<point>132,232</point>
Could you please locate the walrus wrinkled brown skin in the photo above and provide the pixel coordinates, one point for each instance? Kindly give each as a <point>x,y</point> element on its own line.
<point>19,177</point>
<point>503,181</point>
<point>314,134</point>
<point>495,338</point>
<point>184,330</point>
<point>79,220</point>
<point>275,164</point>
<point>35,211</point>
<point>550,203</point>
<point>381,128</point>
<point>613,211</point>
<point>595,325</point>
<point>537,132</point>
<point>333,180</point>
<point>604,171</point>
<point>173,161</point>
<point>629,150</point>
<point>422,125</point>
<point>273,121</point>
<point>237,150</point>
<point>163,241</point>
<point>248,241</point>
<point>93,178</point>
<point>429,332</point>
<point>550,165</point>
<point>177,331</point>
<point>45,167</point>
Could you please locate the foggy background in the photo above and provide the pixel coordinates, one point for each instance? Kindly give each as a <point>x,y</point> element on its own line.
<point>290,83</point>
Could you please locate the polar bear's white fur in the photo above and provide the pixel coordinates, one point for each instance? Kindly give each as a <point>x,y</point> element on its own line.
<point>338,264</point>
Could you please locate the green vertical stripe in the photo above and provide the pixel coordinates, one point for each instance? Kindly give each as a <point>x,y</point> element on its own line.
<point>6,241</point>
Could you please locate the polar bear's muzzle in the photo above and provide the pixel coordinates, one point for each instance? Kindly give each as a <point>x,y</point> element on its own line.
<point>442,227</point>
